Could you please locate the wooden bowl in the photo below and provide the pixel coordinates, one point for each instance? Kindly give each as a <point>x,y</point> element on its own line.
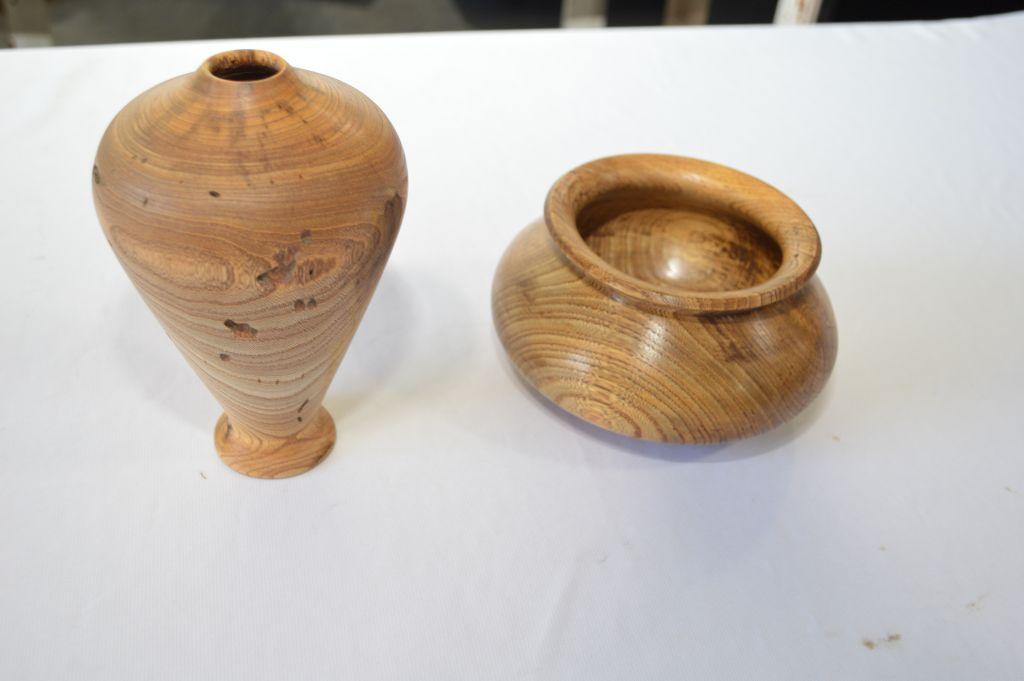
<point>668,299</point>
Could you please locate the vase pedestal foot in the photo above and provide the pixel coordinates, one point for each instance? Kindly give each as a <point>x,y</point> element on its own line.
<point>265,456</point>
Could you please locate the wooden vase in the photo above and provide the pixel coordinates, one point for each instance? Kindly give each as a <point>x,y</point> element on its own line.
<point>668,299</point>
<point>254,206</point>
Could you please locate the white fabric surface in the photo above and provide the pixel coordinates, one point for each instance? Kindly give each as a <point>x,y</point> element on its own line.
<point>464,530</point>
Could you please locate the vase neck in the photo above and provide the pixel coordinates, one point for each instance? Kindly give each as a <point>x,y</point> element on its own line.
<point>244,73</point>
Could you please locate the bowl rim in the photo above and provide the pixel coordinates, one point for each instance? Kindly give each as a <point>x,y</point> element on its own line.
<point>704,182</point>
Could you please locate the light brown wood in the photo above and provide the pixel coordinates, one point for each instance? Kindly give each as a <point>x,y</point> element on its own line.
<point>254,206</point>
<point>264,456</point>
<point>668,299</point>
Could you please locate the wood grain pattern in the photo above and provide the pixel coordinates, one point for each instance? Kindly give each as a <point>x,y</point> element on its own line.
<point>254,206</point>
<point>266,456</point>
<point>668,299</point>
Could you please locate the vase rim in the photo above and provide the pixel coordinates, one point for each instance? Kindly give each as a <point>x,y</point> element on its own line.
<point>714,186</point>
<point>244,66</point>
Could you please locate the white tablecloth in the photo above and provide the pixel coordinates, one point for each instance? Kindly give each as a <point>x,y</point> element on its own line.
<point>462,529</point>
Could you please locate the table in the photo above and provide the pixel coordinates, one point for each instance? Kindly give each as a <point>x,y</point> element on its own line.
<point>462,529</point>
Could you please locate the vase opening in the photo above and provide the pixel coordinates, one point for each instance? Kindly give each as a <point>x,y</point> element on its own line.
<point>662,239</point>
<point>244,65</point>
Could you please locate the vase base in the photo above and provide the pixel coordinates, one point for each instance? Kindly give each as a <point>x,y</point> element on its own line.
<point>262,456</point>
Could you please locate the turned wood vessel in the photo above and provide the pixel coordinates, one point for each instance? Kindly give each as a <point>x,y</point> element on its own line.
<point>668,299</point>
<point>254,206</point>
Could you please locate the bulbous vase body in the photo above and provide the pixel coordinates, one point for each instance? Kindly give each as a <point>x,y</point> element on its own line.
<point>254,206</point>
<point>668,299</point>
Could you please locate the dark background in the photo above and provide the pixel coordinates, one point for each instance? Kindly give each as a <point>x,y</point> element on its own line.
<point>75,22</point>
<point>646,12</point>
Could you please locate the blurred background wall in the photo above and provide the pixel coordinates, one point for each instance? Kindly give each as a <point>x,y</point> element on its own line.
<point>27,23</point>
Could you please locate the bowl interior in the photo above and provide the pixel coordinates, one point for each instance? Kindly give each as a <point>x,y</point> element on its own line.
<point>661,238</point>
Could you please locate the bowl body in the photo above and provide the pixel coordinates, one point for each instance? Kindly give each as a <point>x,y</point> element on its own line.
<point>629,345</point>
